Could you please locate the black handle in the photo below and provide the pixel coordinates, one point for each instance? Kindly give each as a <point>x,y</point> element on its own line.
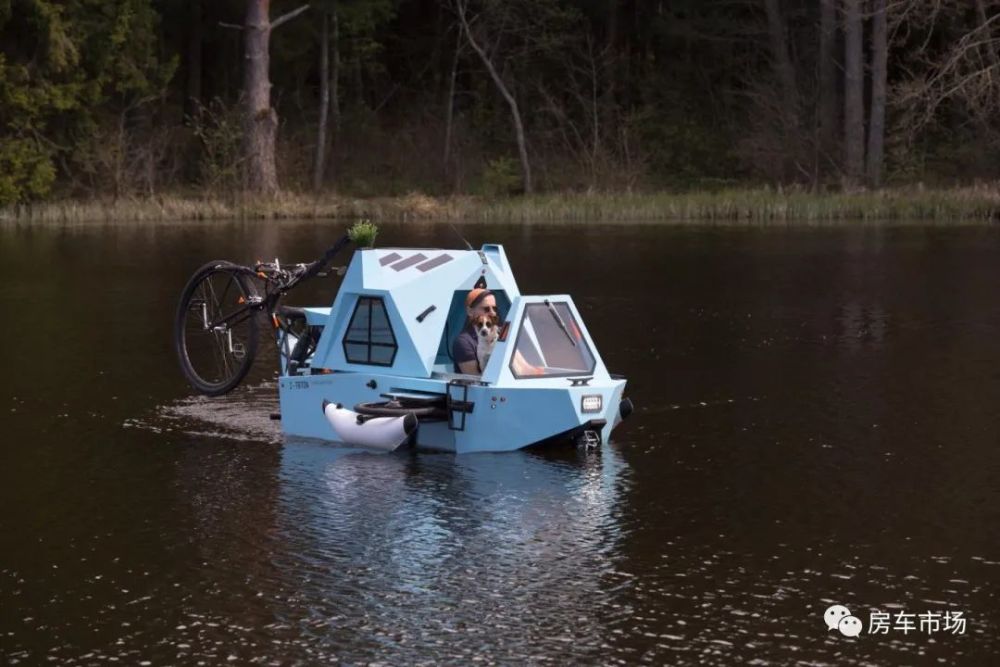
<point>430,309</point>
<point>317,266</point>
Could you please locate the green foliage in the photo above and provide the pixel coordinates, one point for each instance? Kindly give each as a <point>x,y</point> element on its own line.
<point>359,21</point>
<point>613,96</point>
<point>364,17</point>
<point>502,176</point>
<point>363,233</point>
<point>682,150</point>
<point>26,172</point>
<point>66,68</point>
<point>219,129</point>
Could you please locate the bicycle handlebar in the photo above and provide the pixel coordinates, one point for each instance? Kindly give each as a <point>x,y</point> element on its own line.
<point>289,278</point>
<point>315,267</point>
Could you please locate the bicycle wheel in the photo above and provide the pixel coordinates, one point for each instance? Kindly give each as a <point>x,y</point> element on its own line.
<point>215,331</point>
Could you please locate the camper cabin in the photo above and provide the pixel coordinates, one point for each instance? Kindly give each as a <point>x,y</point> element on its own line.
<point>384,352</point>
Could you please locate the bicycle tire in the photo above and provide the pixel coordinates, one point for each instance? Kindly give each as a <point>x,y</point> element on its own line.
<point>215,361</point>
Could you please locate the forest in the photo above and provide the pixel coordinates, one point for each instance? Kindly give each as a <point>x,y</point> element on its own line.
<point>495,98</point>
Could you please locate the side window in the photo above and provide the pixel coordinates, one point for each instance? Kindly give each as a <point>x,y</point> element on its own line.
<point>369,338</point>
<point>549,343</point>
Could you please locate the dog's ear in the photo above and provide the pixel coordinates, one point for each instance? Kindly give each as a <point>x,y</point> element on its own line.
<point>495,319</point>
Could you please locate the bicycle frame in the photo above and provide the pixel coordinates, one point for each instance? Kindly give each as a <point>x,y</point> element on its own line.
<point>286,339</point>
<point>215,367</point>
<point>254,303</point>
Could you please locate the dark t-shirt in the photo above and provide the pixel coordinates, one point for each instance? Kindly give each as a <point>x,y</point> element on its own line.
<point>464,348</point>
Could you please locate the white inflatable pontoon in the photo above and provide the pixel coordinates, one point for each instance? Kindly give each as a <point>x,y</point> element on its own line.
<point>385,433</point>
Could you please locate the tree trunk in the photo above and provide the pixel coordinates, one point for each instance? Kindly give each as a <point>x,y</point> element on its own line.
<point>192,100</point>
<point>359,82</point>
<point>783,69</point>
<point>335,73</point>
<point>324,102</point>
<point>522,146</point>
<point>450,107</point>
<point>611,52</point>
<point>991,51</point>
<point>854,81</point>
<point>827,115</point>
<point>260,120</point>
<point>876,120</point>
<point>984,21</point>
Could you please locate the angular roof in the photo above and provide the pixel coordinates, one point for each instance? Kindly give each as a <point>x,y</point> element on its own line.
<point>414,283</point>
<point>391,268</point>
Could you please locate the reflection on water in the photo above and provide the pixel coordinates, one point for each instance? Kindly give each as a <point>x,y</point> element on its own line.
<point>816,423</point>
<point>243,414</point>
<point>862,324</point>
<point>413,548</point>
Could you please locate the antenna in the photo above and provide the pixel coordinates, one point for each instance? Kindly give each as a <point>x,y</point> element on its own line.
<point>459,235</point>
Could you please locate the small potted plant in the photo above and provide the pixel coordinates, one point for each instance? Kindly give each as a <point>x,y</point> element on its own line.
<point>363,234</point>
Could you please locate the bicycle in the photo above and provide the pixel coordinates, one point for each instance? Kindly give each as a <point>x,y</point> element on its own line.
<point>216,332</point>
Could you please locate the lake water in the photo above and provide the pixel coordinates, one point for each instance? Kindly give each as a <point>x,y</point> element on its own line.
<point>817,423</point>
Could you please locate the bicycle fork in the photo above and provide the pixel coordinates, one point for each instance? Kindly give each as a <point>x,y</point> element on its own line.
<point>235,348</point>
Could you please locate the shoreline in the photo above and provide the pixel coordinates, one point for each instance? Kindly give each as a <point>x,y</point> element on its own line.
<point>750,207</point>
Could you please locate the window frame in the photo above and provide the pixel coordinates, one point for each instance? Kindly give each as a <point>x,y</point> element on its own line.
<point>521,332</point>
<point>369,301</point>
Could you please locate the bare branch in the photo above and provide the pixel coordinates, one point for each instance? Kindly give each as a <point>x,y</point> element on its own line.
<point>461,9</point>
<point>285,18</point>
<point>231,26</point>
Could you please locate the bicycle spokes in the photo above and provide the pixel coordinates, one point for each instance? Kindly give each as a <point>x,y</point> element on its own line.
<point>217,330</point>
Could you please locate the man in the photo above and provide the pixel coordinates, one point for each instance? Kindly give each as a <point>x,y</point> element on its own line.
<point>463,351</point>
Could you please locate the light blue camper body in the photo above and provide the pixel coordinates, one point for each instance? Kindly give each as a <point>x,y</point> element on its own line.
<point>422,292</point>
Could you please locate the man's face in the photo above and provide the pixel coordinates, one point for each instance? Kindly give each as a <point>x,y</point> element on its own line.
<point>488,306</point>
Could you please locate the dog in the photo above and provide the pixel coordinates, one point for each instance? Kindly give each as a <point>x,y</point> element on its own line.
<point>485,327</point>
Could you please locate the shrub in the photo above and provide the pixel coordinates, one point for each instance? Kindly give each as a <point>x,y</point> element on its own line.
<point>26,172</point>
<point>502,176</point>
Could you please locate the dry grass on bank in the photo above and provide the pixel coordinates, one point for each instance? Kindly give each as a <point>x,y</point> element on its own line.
<point>737,206</point>
<point>176,208</point>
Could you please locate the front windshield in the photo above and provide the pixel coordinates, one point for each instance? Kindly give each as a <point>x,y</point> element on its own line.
<point>549,343</point>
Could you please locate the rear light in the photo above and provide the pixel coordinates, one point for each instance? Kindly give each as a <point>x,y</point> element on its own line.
<point>591,403</point>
